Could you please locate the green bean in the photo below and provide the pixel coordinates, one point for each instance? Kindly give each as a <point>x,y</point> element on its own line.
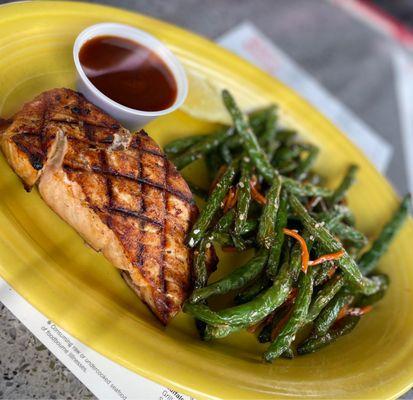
<point>200,272</point>
<point>235,280</point>
<point>323,273</point>
<point>266,228</point>
<point>223,238</point>
<point>204,313</point>
<point>286,154</point>
<point>264,304</point>
<point>244,198</point>
<point>286,136</point>
<point>245,244</point>
<point>272,147</point>
<point>225,222</point>
<point>266,332</point>
<point>250,142</point>
<point>250,226</point>
<point>349,218</point>
<point>270,125</point>
<point>197,190</point>
<point>288,354</point>
<point>305,164</point>
<point>350,269</point>
<point>324,296</point>
<point>331,217</point>
<point>196,151</point>
<point>213,161</point>
<point>278,241</point>
<point>345,326</point>
<point>220,331</point>
<point>287,167</point>
<point>199,266</point>
<point>268,138</point>
<point>259,158</point>
<point>345,184</point>
<point>258,119</point>
<point>212,206</point>
<point>298,317</point>
<point>304,189</point>
<point>255,145</point>
<point>239,243</point>
<point>374,298</point>
<point>329,314</point>
<point>249,313</point>
<point>252,291</point>
<point>345,232</point>
<point>234,143</point>
<point>368,260</point>
<point>179,145</point>
<point>225,153</point>
<point>339,211</point>
<point>330,220</point>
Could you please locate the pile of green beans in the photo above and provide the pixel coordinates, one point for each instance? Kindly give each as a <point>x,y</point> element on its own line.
<point>277,192</point>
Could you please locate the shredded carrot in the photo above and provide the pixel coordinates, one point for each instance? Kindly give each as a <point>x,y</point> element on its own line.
<point>305,257</point>
<point>220,172</point>
<point>255,194</point>
<point>342,313</point>
<point>255,182</point>
<point>229,249</point>
<point>304,250</point>
<point>230,199</point>
<point>327,257</point>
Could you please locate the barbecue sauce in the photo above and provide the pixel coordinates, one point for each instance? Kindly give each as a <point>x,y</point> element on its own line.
<point>128,73</point>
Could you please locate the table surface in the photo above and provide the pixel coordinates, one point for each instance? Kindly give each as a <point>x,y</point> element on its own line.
<point>346,56</point>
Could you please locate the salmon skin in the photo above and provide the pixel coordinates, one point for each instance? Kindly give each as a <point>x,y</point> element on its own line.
<point>117,189</point>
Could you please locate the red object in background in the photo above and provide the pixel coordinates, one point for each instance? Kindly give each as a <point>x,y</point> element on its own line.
<point>376,16</point>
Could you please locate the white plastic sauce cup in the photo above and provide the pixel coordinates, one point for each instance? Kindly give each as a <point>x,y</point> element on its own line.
<point>128,117</point>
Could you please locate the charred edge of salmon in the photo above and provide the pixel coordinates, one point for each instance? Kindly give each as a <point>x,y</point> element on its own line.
<point>4,124</point>
<point>162,314</point>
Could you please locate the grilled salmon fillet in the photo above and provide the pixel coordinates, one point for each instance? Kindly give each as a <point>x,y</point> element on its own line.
<point>117,189</point>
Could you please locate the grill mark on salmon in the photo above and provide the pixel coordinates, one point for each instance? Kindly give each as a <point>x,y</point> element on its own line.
<point>116,189</point>
<point>99,170</point>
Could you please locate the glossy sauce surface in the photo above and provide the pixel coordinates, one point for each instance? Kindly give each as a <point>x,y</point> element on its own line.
<point>128,73</point>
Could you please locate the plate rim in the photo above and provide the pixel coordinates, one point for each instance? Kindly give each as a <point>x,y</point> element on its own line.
<point>251,71</point>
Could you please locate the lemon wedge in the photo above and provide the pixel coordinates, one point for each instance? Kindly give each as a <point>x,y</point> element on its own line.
<point>204,101</point>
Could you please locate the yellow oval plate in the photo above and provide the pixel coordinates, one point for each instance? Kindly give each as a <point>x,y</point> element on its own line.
<point>47,262</point>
